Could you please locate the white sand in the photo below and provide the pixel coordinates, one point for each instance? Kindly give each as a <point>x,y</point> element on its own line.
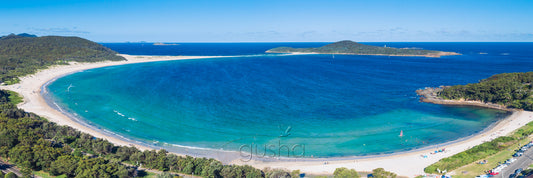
<point>408,164</point>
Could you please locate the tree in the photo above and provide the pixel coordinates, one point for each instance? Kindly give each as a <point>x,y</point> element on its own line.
<point>214,169</point>
<point>161,162</point>
<point>124,153</point>
<point>8,138</point>
<point>99,167</point>
<point>295,173</point>
<point>26,172</point>
<point>137,158</point>
<point>21,153</point>
<point>345,173</point>
<point>10,175</point>
<point>64,165</point>
<point>381,173</point>
<point>278,173</point>
<point>250,171</point>
<point>189,168</point>
<point>44,155</point>
<point>231,171</point>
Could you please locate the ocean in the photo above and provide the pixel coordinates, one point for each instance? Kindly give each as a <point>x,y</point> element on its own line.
<point>319,106</point>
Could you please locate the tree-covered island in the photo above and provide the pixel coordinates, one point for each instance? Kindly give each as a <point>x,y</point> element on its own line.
<point>352,48</point>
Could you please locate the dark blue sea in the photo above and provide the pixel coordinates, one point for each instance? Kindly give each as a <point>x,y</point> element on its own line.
<point>310,105</point>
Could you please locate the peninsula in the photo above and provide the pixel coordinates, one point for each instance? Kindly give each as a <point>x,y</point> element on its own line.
<point>505,91</point>
<point>348,47</point>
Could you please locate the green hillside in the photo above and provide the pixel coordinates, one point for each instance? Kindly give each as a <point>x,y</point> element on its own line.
<point>24,54</point>
<point>513,90</point>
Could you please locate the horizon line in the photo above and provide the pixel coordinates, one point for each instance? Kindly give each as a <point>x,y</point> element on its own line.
<point>174,42</point>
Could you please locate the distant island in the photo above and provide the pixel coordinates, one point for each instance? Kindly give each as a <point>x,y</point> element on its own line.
<point>348,47</point>
<point>502,91</point>
<point>24,54</point>
<point>165,44</point>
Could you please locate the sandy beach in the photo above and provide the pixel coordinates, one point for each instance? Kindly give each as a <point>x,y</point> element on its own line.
<point>406,164</point>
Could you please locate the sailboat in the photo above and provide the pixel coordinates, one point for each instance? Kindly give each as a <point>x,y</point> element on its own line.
<point>401,133</point>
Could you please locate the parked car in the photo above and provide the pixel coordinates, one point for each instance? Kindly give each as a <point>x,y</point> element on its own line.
<point>518,171</point>
<point>518,154</point>
<point>511,160</point>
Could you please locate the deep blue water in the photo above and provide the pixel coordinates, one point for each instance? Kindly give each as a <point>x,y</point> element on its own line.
<point>341,106</point>
<point>202,49</point>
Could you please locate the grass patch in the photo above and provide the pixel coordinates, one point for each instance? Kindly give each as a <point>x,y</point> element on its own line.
<point>473,169</point>
<point>145,174</point>
<point>46,175</point>
<point>497,150</point>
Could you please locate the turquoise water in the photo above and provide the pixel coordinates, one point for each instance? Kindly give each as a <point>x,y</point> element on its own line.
<point>314,105</point>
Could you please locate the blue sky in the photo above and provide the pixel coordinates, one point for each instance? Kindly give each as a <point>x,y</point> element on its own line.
<point>272,20</point>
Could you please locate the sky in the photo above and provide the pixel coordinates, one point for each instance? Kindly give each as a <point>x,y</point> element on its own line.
<point>272,20</point>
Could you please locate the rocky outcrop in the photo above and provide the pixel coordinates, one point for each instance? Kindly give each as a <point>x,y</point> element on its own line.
<point>431,95</point>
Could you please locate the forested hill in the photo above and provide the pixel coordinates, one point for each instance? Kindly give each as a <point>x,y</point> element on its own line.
<point>513,90</point>
<point>353,48</point>
<point>24,54</point>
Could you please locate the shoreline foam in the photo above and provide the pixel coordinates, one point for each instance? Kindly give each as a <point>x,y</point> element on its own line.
<point>31,87</point>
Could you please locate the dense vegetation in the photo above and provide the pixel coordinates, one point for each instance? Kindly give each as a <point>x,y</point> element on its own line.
<point>24,54</point>
<point>34,144</point>
<point>482,151</point>
<point>350,47</point>
<point>513,90</point>
<point>343,172</point>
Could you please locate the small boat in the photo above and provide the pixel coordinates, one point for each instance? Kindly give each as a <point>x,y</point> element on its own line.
<point>401,134</point>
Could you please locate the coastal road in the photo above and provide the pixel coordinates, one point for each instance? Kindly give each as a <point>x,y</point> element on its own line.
<point>521,162</point>
<point>6,167</point>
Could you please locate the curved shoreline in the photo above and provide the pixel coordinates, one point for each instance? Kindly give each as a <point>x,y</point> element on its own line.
<point>31,89</point>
